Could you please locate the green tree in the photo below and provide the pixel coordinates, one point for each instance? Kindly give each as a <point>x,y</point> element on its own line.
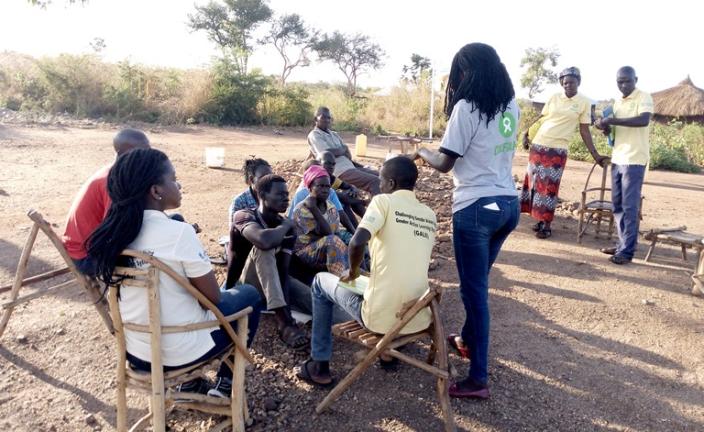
<point>414,71</point>
<point>353,55</point>
<point>294,42</point>
<point>230,26</point>
<point>537,73</point>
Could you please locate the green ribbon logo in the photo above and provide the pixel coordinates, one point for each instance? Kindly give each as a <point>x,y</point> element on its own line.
<point>507,125</point>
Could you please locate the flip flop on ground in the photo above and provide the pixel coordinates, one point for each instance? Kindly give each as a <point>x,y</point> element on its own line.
<point>303,373</point>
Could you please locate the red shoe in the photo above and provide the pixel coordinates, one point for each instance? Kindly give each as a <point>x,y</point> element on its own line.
<point>462,350</point>
<point>469,389</point>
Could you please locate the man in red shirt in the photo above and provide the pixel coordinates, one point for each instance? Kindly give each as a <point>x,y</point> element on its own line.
<point>92,203</point>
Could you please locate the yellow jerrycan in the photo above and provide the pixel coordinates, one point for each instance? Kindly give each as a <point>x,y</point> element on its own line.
<point>360,145</point>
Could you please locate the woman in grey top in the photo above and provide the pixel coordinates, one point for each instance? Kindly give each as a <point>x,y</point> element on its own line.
<point>478,146</point>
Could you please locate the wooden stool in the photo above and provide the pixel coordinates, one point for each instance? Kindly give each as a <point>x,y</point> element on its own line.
<point>386,344</point>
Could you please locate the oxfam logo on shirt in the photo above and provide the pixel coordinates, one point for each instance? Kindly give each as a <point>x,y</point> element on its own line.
<point>507,124</point>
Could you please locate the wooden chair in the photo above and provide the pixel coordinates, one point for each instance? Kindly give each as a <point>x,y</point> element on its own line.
<point>596,211</point>
<point>90,285</point>
<point>386,344</point>
<point>159,383</point>
<point>600,210</point>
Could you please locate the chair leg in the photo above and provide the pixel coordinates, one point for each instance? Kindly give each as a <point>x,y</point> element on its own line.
<point>238,402</point>
<point>651,249</point>
<point>611,226</point>
<point>19,275</point>
<point>598,226</point>
<point>432,353</point>
<point>121,396</point>
<point>579,227</point>
<point>349,379</point>
<point>443,384</point>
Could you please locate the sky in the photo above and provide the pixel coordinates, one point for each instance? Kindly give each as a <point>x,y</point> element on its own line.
<point>662,40</point>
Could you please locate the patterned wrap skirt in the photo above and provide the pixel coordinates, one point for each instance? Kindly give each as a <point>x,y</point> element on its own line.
<point>542,181</point>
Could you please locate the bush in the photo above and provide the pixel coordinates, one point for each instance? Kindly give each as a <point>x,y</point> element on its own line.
<point>405,110</point>
<point>668,148</point>
<point>234,97</point>
<point>73,84</point>
<point>286,106</point>
<point>344,109</point>
<point>529,115</point>
<point>578,150</point>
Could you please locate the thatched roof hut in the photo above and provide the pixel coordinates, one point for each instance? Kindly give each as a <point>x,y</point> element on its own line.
<point>684,101</point>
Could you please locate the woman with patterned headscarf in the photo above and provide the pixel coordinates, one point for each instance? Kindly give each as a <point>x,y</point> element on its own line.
<point>561,116</point>
<point>318,224</point>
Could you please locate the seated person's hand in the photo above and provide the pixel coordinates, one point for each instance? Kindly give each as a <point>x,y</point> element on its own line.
<point>310,202</point>
<point>352,192</point>
<point>350,275</point>
<point>288,223</point>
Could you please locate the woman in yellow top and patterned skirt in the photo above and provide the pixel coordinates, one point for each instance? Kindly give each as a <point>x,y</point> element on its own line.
<point>548,149</point>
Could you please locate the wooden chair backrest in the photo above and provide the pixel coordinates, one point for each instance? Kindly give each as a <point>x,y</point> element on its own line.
<point>148,278</point>
<point>602,185</point>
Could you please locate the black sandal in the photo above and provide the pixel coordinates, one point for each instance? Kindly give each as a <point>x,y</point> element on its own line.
<point>538,227</point>
<point>303,373</point>
<point>294,338</point>
<point>544,233</point>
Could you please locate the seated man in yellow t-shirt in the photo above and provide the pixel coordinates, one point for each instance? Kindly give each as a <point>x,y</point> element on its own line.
<point>400,231</point>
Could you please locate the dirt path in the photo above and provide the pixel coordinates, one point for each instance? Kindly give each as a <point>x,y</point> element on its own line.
<point>574,345</point>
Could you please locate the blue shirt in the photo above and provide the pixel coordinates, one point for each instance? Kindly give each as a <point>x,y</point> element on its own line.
<point>303,192</point>
<point>243,201</point>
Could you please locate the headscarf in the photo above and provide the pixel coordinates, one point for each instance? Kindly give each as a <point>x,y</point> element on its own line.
<point>312,173</point>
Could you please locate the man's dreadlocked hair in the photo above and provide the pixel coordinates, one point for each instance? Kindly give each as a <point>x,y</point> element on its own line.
<point>250,168</point>
<point>478,76</point>
<point>129,182</point>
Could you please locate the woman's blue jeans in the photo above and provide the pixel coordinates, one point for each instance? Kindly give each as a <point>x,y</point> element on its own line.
<point>478,231</point>
<point>231,301</point>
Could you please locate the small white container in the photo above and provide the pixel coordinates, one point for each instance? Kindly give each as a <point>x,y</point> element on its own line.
<point>215,157</point>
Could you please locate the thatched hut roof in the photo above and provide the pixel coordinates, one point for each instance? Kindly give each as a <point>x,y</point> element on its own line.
<point>682,100</point>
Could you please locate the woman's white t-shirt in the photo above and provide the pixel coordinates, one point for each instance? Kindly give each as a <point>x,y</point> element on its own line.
<point>176,244</point>
<point>485,152</point>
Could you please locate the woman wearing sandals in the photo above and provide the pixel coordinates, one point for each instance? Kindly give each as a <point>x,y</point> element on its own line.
<point>548,152</point>
<point>478,146</point>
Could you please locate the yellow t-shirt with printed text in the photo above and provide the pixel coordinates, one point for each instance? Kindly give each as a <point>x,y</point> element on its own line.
<point>562,117</point>
<point>403,234</point>
<point>632,144</point>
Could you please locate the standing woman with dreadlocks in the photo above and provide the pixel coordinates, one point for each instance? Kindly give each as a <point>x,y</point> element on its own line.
<point>561,116</point>
<point>478,146</point>
<point>142,185</point>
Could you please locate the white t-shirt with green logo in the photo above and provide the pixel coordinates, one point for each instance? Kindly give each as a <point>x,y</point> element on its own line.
<point>485,152</point>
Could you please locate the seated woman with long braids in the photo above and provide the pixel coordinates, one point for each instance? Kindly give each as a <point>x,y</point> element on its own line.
<point>142,185</point>
<point>318,224</point>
